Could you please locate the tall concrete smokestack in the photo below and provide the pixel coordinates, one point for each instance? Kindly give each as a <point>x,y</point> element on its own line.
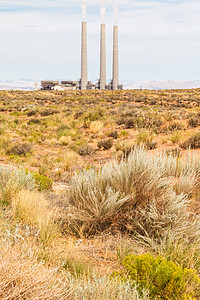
<point>103,58</point>
<point>84,74</point>
<point>115,58</point>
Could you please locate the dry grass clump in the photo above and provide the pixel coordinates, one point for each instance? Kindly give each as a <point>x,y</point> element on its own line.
<point>176,137</point>
<point>29,206</point>
<point>32,208</point>
<point>65,140</point>
<point>48,228</point>
<point>70,160</point>
<point>143,137</point>
<point>125,146</point>
<point>52,142</point>
<point>182,253</point>
<point>21,278</point>
<point>144,193</point>
<point>96,126</point>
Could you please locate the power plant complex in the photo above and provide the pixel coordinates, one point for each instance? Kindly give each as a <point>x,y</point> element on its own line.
<point>83,83</point>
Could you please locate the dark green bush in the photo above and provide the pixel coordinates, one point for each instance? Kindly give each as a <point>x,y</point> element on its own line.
<point>153,102</point>
<point>121,121</point>
<point>42,182</point>
<point>113,134</point>
<point>20,149</point>
<point>48,112</point>
<point>193,142</point>
<point>130,123</point>
<point>31,113</point>
<point>193,122</point>
<point>164,279</point>
<point>78,114</point>
<point>63,130</point>
<point>126,152</point>
<point>146,120</point>
<point>95,115</point>
<point>34,121</point>
<point>175,127</point>
<point>106,144</point>
<point>150,145</point>
<point>85,150</point>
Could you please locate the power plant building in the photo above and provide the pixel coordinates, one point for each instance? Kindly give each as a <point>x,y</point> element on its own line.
<point>83,83</point>
<point>57,86</point>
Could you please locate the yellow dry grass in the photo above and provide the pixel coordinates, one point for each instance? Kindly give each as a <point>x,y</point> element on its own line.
<point>96,126</point>
<point>65,140</point>
<point>32,208</point>
<point>21,278</point>
<point>70,160</point>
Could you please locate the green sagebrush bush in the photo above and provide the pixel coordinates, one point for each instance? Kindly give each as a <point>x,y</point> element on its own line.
<point>127,195</point>
<point>42,182</point>
<point>164,279</point>
<point>12,180</point>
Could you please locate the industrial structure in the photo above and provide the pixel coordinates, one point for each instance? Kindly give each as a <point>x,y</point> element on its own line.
<point>83,83</point>
<point>115,80</point>
<point>101,84</point>
<point>103,58</point>
<point>84,72</point>
<point>65,85</point>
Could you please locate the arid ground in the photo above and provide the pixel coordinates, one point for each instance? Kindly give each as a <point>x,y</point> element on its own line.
<point>90,178</point>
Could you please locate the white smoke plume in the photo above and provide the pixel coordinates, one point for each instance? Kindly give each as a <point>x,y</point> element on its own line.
<point>103,11</point>
<point>115,12</point>
<point>83,7</point>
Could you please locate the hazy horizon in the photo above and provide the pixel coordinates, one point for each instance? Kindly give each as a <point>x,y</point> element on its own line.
<point>29,85</point>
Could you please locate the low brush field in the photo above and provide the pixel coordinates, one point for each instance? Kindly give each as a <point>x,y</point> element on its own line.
<point>99,195</point>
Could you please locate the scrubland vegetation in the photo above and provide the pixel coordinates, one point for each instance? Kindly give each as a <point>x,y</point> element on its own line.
<point>99,195</point>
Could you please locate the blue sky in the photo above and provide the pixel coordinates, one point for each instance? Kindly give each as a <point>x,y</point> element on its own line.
<point>159,40</point>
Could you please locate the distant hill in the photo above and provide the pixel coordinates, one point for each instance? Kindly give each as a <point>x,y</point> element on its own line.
<point>160,85</point>
<point>17,85</point>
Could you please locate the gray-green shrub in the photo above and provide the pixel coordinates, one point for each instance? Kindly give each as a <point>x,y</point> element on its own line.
<point>147,192</point>
<point>12,180</point>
